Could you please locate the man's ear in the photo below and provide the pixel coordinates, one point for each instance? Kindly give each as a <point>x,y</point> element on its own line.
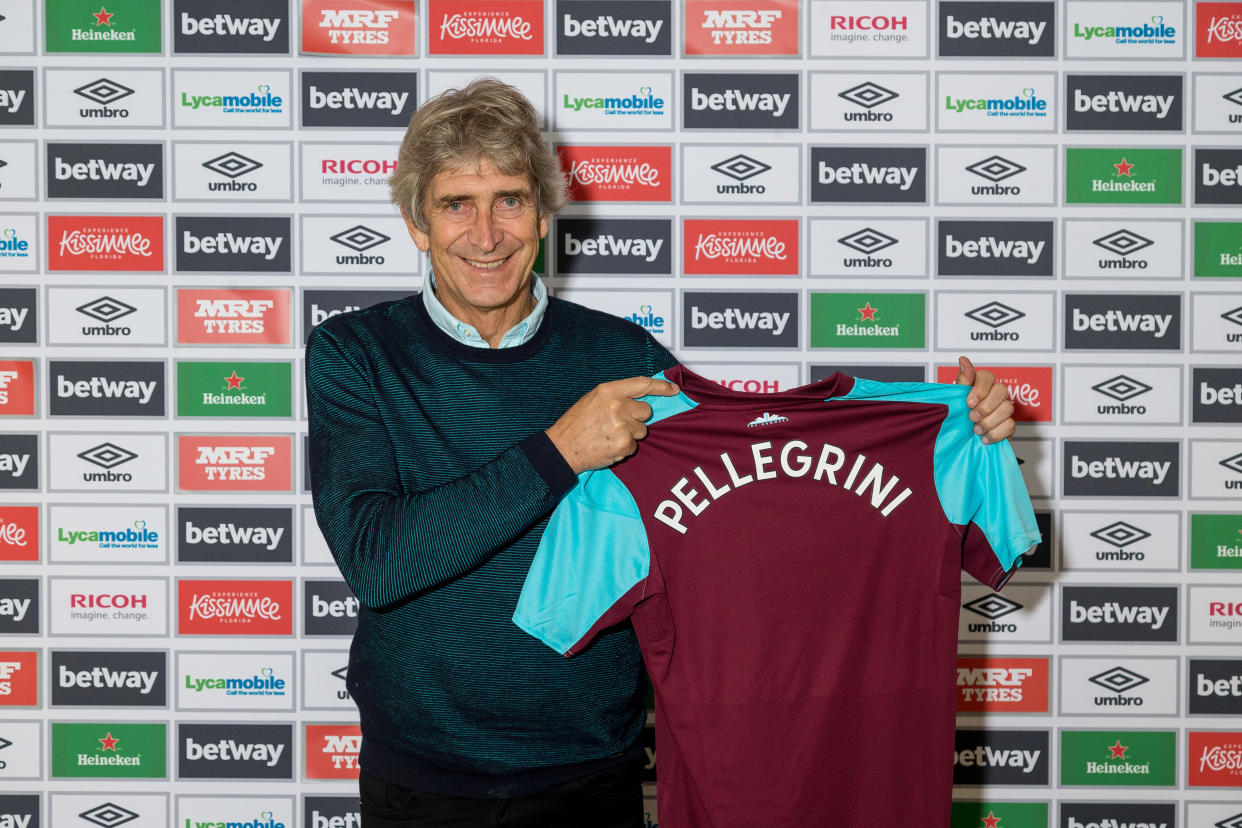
<point>543,225</point>
<point>421,240</point>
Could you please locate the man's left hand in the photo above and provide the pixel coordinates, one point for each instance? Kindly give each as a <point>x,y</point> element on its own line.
<point>990,408</point>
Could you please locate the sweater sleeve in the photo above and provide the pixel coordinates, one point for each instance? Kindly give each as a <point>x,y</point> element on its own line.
<point>390,543</point>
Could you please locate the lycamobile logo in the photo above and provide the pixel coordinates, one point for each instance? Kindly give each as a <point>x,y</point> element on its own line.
<point>260,101</point>
<point>993,814</point>
<point>642,102</point>
<point>1218,249</point>
<point>1153,31</point>
<point>1123,175</point>
<point>1025,104</point>
<point>1118,758</point>
<point>264,819</point>
<point>868,320</point>
<point>108,26</point>
<point>1215,541</point>
<point>138,536</point>
<point>264,684</point>
<point>109,749</point>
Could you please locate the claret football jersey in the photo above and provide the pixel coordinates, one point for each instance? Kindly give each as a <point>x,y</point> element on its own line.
<point>791,564</point>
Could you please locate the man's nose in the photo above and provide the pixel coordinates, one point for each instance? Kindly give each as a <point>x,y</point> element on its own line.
<point>484,232</point>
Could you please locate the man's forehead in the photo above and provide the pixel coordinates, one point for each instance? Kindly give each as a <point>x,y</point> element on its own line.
<point>480,176</point>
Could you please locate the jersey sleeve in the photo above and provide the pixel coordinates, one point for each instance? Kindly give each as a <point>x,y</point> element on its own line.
<point>591,568</point>
<point>982,491</point>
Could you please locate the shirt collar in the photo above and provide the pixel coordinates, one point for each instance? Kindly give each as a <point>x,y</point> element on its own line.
<point>519,334</point>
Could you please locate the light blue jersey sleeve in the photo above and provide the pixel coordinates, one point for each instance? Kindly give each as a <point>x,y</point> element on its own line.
<point>591,566</point>
<point>979,485</point>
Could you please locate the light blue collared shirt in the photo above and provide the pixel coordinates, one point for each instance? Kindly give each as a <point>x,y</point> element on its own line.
<point>468,334</point>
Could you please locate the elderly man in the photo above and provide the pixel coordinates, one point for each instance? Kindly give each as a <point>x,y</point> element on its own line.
<point>444,428</point>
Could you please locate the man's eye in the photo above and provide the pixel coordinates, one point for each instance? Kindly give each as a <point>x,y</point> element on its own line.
<point>455,206</point>
<point>509,204</point>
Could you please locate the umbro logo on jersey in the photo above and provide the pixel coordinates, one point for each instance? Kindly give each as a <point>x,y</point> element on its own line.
<point>767,418</point>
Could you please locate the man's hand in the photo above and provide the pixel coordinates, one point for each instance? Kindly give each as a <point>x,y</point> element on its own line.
<point>990,408</point>
<point>605,425</point>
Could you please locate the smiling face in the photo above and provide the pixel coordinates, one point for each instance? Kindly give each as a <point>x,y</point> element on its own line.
<point>483,238</point>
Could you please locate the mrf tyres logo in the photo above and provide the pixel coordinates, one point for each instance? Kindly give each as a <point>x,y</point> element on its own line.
<point>1123,322</point>
<point>200,27</point>
<point>736,101</point>
<point>994,248</point>
<point>614,27</point>
<point>1092,613</point>
<point>1000,757</point>
<point>887,175</point>
<point>233,535</point>
<point>121,678</point>
<point>1218,176</point>
<point>1124,103</point>
<point>1116,469</point>
<point>358,99</point>
<point>740,320</point>
<point>128,171</point>
<point>602,245</point>
<point>109,389</point>
<point>234,751</point>
<point>999,30</point>
<point>222,244</point>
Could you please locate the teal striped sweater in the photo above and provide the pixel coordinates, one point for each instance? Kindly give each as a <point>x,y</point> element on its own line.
<point>432,482</point>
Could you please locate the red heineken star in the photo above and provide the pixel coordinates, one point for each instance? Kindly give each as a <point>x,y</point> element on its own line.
<point>234,381</point>
<point>868,313</point>
<point>1123,168</point>
<point>990,820</point>
<point>109,743</point>
<point>103,17</point>
<point>1119,750</point>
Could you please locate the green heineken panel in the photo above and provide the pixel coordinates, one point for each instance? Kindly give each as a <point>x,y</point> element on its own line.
<point>1119,758</point>
<point>90,750</point>
<point>868,320</point>
<point>103,26</point>
<point>999,815</point>
<point>1123,175</point>
<point>1218,249</point>
<point>234,389</point>
<point>1216,541</point>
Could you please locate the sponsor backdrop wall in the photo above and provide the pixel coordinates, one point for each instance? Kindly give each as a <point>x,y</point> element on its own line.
<point>774,190</point>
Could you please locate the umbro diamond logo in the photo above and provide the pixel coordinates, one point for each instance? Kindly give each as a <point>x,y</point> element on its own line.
<point>360,238</point>
<point>994,314</point>
<point>108,815</point>
<point>868,95</point>
<point>1234,821</point>
<point>741,167</point>
<point>107,455</point>
<point>1120,534</point>
<point>1234,97</point>
<point>1118,679</point>
<point>1233,463</point>
<point>106,309</point>
<point>104,91</point>
<point>232,164</point>
<point>996,168</point>
<point>992,606</point>
<point>1123,242</point>
<point>1121,388</point>
<point>1234,316</point>
<point>867,240</point>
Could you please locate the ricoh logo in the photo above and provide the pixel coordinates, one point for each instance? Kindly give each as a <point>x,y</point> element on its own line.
<point>359,166</point>
<point>115,606</point>
<point>104,92</point>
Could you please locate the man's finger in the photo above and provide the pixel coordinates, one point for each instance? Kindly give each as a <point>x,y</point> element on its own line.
<point>965,372</point>
<point>643,386</point>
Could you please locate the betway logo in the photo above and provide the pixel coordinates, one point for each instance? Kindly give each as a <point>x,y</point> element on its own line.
<point>345,608</point>
<point>862,173</point>
<point>98,388</point>
<point>1115,101</point>
<point>318,820</point>
<point>13,317</point>
<point>353,98</point>
<point>227,24</point>
<point>609,26</point>
<point>1114,612</point>
<point>984,756</point>
<point>15,608</point>
<point>1212,177</point>
<point>988,247</point>
<point>1113,823</point>
<point>14,464</point>
<point>1225,395</point>
<point>228,533</point>
<point>735,318</point>
<point>990,28</point>
<point>265,246</point>
<point>734,100</point>
<point>228,750</point>
<point>102,677</point>
<point>11,99</point>
<point>99,170</point>
<point>1115,320</point>
<point>1116,467</point>
<point>609,245</point>
<point>15,820</point>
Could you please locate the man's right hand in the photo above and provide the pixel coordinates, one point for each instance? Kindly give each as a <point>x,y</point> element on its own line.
<point>605,425</point>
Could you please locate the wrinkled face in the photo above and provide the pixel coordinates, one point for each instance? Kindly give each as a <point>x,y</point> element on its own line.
<point>483,239</point>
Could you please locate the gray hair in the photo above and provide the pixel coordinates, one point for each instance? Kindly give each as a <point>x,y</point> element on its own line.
<point>485,120</point>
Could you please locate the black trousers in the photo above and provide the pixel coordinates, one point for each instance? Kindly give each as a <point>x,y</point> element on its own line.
<point>611,798</point>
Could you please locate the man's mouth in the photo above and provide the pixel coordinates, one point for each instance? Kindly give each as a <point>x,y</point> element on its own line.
<point>487,265</point>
